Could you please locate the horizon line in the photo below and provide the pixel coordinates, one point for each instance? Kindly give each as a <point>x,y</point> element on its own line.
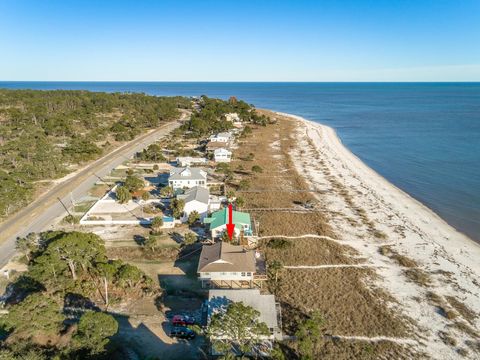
<point>238,81</point>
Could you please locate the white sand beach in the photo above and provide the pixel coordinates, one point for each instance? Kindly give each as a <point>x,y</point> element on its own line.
<point>368,212</point>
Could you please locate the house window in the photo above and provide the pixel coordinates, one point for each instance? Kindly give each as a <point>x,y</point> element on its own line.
<point>206,274</point>
<point>249,274</point>
<point>243,274</point>
<point>223,273</point>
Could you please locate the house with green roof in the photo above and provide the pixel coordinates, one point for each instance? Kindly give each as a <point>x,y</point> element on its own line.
<point>219,219</point>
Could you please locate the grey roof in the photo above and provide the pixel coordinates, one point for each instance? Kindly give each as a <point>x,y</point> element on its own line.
<point>224,257</point>
<point>187,173</point>
<point>198,193</point>
<point>219,299</point>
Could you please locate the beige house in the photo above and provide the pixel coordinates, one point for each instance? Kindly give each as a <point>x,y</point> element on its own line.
<point>223,265</point>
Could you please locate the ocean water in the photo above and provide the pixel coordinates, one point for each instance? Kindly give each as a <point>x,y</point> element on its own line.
<point>422,137</point>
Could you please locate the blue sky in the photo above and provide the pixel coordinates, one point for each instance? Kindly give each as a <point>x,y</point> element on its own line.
<point>261,40</point>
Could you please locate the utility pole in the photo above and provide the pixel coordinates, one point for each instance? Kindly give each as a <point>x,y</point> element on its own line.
<point>69,213</point>
<point>64,206</point>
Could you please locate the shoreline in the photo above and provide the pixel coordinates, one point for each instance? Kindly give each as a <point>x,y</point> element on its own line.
<point>333,137</point>
<point>372,215</point>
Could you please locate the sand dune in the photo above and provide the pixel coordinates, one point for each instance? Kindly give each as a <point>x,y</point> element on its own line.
<point>432,270</point>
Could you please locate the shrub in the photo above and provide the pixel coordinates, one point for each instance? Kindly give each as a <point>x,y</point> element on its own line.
<point>278,243</point>
<point>257,169</point>
<point>189,238</point>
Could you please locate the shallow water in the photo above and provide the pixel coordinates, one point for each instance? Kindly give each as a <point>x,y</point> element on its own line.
<point>423,137</point>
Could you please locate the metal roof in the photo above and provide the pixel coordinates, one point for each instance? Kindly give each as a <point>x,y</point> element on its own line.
<point>219,218</point>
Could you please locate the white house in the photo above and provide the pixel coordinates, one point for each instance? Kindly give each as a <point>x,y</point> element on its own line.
<point>222,155</point>
<point>196,199</point>
<point>232,117</point>
<point>224,137</point>
<point>187,177</point>
<point>223,265</point>
<point>189,161</point>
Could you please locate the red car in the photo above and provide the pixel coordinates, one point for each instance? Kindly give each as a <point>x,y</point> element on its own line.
<point>181,320</point>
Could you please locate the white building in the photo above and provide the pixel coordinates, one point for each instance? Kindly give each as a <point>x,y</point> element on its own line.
<point>222,155</point>
<point>189,161</point>
<point>196,199</point>
<point>187,177</point>
<point>224,137</point>
<point>232,117</point>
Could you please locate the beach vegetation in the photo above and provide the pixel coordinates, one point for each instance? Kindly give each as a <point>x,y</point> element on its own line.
<point>244,184</point>
<point>418,276</point>
<point>257,169</point>
<point>309,336</point>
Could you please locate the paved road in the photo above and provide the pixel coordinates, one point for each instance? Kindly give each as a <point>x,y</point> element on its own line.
<point>40,214</point>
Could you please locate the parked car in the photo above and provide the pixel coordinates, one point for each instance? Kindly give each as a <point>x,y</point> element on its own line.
<point>182,332</point>
<point>183,320</point>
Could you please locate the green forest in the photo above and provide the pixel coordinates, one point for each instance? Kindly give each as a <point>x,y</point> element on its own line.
<point>44,134</point>
<point>58,308</point>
